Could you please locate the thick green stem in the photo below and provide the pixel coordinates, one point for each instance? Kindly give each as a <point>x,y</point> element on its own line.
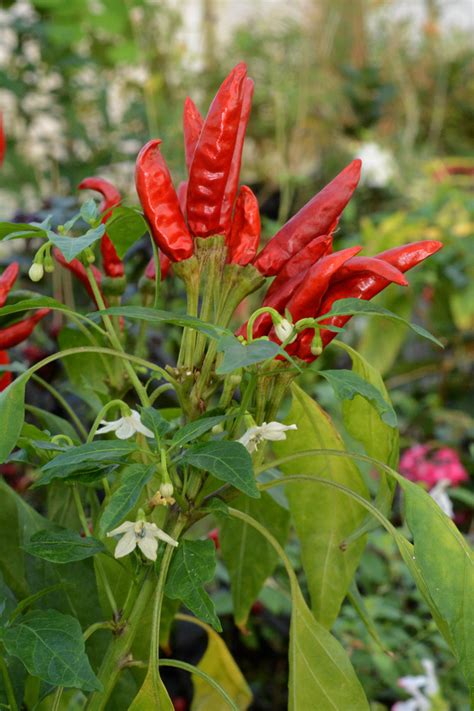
<point>7,685</point>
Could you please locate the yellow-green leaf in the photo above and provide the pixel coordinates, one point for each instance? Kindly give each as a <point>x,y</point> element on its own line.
<point>152,695</point>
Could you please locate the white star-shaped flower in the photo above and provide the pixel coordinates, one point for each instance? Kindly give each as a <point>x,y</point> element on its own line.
<point>272,431</point>
<point>125,427</point>
<point>141,534</point>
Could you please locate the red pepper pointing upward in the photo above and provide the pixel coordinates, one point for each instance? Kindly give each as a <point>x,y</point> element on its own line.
<point>192,127</point>
<point>7,280</point>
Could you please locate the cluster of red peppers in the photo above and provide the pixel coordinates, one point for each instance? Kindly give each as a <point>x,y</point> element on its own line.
<point>13,335</point>
<point>309,276</point>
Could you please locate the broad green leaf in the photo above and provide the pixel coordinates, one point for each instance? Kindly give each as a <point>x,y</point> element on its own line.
<point>347,384</point>
<point>86,371</point>
<point>219,664</point>
<point>156,316</point>
<point>195,429</point>
<point>53,423</point>
<point>351,307</point>
<point>71,247</point>
<point>321,675</point>
<point>51,647</point>
<point>382,339</point>
<point>228,461</point>
<point>236,355</point>
<point>193,565</point>
<point>40,302</point>
<point>154,420</point>
<point>61,545</point>
<point>123,499</point>
<point>323,518</point>
<point>124,227</point>
<point>19,229</point>
<point>152,695</point>
<point>83,457</point>
<point>249,558</point>
<point>12,415</point>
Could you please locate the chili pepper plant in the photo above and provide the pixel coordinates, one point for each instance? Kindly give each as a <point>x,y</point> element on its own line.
<point>114,552</point>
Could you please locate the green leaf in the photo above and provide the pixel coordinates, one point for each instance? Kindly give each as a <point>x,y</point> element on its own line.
<point>155,422</point>
<point>51,647</point>
<point>352,306</point>
<point>249,558</point>
<point>71,247</point>
<point>323,518</point>
<point>123,499</point>
<point>321,675</point>
<point>124,227</point>
<point>152,695</point>
<point>61,545</point>
<point>12,415</point>
<point>39,302</point>
<point>193,430</point>
<point>347,384</point>
<point>7,229</point>
<point>81,458</point>
<point>228,461</point>
<point>236,355</point>
<point>53,423</point>
<point>193,565</point>
<point>156,316</point>
<point>90,212</point>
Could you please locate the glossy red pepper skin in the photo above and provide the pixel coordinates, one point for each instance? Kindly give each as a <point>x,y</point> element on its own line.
<point>365,286</point>
<point>318,217</point>
<point>7,280</point>
<point>79,271</point>
<point>182,194</point>
<point>244,238</point>
<point>160,204</point>
<point>211,165</point>
<point>113,265</point>
<point>18,332</point>
<point>165,265</point>
<point>7,377</point>
<point>232,185</point>
<point>369,265</point>
<point>192,127</point>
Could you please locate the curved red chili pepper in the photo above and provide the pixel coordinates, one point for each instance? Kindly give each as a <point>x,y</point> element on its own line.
<point>7,280</point>
<point>7,377</point>
<point>371,265</point>
<point>18,332</point>
<point>232,185</point>
<point>244,237</point>
<point>160,204</point>
<point>300,262</point>
<point>79,271</point>
<point>165,264</point>
<point>192,127</point>
<point>113,265</point>
<point>211,165</point>
<point>318,217</point>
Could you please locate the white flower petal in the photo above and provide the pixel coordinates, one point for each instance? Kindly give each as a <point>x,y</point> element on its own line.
<point>123,528</point>
<point>438,493</point>
<point>108,426</point>
<point>148,546</point>
<point>126,544</point>
<point>126,429</point>
<point>143,430</point>
<point>153,530</point>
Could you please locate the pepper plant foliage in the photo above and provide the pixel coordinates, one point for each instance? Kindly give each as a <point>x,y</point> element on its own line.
<point>92,583</point>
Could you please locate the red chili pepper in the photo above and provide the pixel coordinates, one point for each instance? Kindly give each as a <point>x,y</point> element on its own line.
<point>234,173</point>
<point>182,193</point>
<point>192,127</point>
<point>7,281</point>
<point>79,271</point>
<point>160,204</point>
<point>165,265</point>
<point>370,265</point>
<point>244,237</point>
<point>212,161</point>
<point>7,377</point>
<point>318,217</point>
<point>18,332</point>
<point>113,265</point>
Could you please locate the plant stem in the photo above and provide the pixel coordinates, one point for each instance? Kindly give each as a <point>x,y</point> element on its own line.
<point>177,664</point>
<point>65,405</point>
<point>7,684</point>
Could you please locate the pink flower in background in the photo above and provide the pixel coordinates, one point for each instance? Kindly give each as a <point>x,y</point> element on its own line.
<point>423,464</point>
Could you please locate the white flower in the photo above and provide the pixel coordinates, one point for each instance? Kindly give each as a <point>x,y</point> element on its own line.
<point>378,165</point>
<point>273,431</point>
<point>438,494</point>
<point>422,689</point>
<point>284,329</point>
<point>141,534</point>
<point>125,427</point>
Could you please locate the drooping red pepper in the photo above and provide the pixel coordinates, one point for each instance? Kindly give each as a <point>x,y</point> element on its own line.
<point>165,264</point>
<point>244,238</point>
<point>113,265</point>
<point>7,377</point>
<point>160,204</point>
<point>211,165</point>
<point>7,280</point>
<point>192,127</point>
<point>18,332</point>
<point>369,265</point>
<point>318,217</point>
<point>78,269</point>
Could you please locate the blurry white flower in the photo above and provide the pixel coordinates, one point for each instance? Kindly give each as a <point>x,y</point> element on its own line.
<point>378,165</point>
<point>421,688</point>
<point>125,427</point>
<point>8,42</point>
<point>284,329</point>
<point>141,534</point>
<point>438,493</point>
<point>31,51</point>
<point>272,431</point>
<point>23,10</point>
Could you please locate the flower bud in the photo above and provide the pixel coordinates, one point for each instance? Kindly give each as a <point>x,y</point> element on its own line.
<point>166,490</point>
<point>284,329</point>
<point>36,271</point>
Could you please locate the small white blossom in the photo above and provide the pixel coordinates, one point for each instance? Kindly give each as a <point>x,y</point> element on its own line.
<point>284,329</point>
<point>141,534</point>
<point>438,493</point>
<point>422,689</point>
<point>125,427</point>
<point>272,431</point>
<point>378,165</point>
<point>36,272</point>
